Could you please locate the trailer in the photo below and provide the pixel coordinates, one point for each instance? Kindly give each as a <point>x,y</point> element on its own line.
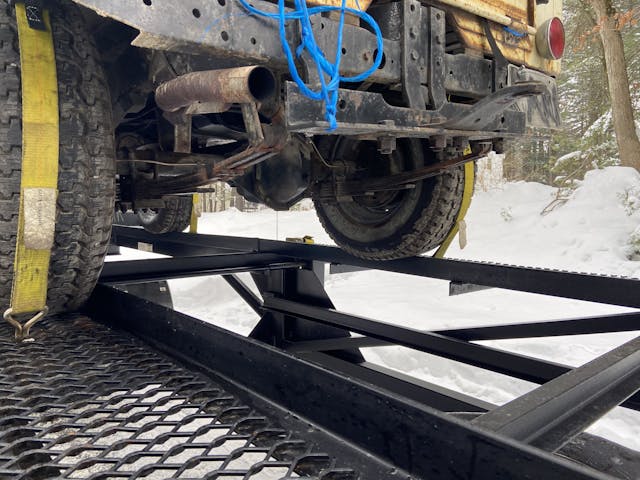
<point>130,388</point>
<point>113,382</point>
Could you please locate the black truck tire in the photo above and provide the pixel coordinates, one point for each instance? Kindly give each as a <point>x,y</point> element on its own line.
<point>174,217</point>
<point>128,219</point>
<point>86,188</point>
<point>402,224</point>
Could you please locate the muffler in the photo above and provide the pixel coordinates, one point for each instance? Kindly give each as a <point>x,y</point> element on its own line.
<point>252,84</point>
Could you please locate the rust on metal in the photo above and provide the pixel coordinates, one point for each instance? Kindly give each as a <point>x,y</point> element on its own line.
<point>214,91</point>
<point>362,187</point>
<point>253,84</point>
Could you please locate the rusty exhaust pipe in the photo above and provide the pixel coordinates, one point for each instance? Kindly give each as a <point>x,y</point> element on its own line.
<point>252,84</point>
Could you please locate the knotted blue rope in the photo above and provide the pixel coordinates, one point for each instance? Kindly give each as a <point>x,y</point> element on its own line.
<point>328,90</point>
<point>515,33</point>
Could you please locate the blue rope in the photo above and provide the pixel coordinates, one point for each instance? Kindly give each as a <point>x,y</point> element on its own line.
<point>515,33</point>
<point>328,90</point>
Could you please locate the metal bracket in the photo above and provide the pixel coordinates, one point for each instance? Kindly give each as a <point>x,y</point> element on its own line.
<point>551,415</point>
<point>182,134</point>
<point>436,80</point>
<point>413,53</point>
<point>307,285</point>
<point>460,288</point>
<point>500,63</point>
<point>494,107</point>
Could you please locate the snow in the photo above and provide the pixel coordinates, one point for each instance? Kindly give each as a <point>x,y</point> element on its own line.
<point>594,231</point>
<point>589,233</point>
<point>601,124</point>
<point>489,172</point>
<point>566,158</point>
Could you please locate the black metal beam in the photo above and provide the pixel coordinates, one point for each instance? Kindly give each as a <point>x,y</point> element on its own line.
<point>461,288</point>
<point>305,286</point>
<point>551,415</point>
<point>594,288</point>
<point>424,442</point>
<point>175,244</point>
<point>137,271</point>
<point>622,322</point>
<point>426,393</point>
<point>334,344</point>
<point>603,455</point>
<point>520,366</point>
<point>338,268</point>
<point>594,451</point>
<point>245,293</point>
<point>513,364</point>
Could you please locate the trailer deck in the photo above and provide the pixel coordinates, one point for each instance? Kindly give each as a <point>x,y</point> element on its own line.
<point>130,388</point>
<point>87,401</point>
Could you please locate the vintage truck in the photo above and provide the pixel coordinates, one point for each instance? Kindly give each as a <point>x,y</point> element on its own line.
<point>159,98</point>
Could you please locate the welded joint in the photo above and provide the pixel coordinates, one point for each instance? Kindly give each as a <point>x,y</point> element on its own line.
<point>554,413</point>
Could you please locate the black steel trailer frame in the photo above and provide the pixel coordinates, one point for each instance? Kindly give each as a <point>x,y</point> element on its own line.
<point>302,368</point>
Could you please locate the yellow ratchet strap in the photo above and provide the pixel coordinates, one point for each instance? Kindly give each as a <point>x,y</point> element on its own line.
<point>469,179</point>
<point>195,213</point>
<point>39,182</point>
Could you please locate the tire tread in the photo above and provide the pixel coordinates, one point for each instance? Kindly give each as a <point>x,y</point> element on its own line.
<point>86,165</point>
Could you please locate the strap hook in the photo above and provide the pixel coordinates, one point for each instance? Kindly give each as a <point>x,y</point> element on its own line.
<point>22,330</point>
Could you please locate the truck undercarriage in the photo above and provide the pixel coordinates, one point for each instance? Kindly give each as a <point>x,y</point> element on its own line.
<point>208,96</point>
<point>376,116</point>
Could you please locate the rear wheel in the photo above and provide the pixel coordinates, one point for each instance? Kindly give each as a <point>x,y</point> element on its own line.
<point>86,163</point>
<point>389,224</point>
<point>174,217</point>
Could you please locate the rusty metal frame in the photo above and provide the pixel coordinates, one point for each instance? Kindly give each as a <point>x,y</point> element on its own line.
<point>416,62</point>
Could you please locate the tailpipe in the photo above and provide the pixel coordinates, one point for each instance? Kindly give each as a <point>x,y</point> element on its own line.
<point>230,85</point>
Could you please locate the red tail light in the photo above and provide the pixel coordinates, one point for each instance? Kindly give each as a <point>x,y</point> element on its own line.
<point>550,39</point>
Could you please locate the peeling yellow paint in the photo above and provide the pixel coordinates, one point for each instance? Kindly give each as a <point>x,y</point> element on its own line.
<point>521,51</point>
<point>526,15</point>
<point>521,15</point>
<point>361,4</point>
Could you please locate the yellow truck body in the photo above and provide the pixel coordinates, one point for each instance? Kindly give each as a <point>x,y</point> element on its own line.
<point>527,17</point>
<point>522,16</point>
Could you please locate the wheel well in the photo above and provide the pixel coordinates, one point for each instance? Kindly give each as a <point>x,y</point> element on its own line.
<point>126,67</point>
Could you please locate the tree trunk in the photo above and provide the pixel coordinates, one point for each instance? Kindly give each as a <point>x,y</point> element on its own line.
<point>622,111</point>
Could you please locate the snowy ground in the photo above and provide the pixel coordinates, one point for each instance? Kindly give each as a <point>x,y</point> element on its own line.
<point>592,232</point>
